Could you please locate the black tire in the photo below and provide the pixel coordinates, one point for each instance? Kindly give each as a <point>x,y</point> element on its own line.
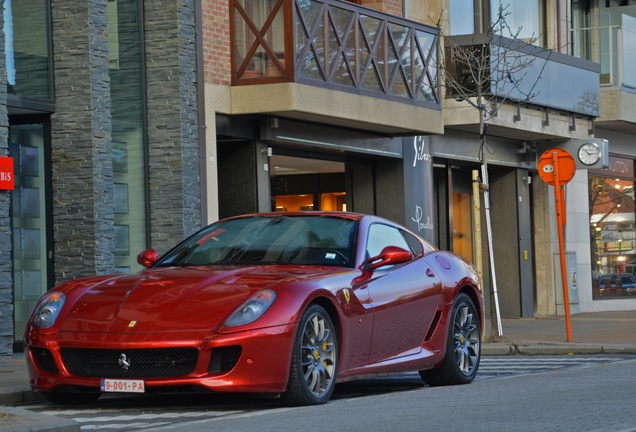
<point>72,398</point>
<point>312,377</point>
<point>463,349</point>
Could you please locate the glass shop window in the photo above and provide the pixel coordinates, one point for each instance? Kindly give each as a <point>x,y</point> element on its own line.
<point>613,231</point>
<point>27,50</point>
<point>128,132</point>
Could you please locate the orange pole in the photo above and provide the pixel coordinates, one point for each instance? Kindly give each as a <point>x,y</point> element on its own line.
<point>559,198</point>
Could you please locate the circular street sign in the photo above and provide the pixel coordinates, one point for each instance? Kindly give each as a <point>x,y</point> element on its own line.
<point>566,165</point>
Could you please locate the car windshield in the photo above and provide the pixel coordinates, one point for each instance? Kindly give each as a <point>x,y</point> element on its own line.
<point>298,240</point>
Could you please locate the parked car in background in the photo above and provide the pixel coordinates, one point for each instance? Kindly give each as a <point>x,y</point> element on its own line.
<point>282,303</point>
<point>626,282</point>
<point>607,285</point>
<point>616,284</point>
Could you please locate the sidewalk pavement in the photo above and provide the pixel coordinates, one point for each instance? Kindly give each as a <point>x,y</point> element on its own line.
<point>592,333</point>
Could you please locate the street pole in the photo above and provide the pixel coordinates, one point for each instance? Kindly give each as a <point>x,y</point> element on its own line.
<point>491,254</point>
<point>559,199</point>
<point>556,167</point>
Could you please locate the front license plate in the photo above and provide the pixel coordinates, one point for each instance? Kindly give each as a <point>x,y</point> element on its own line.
<point>122,386</point>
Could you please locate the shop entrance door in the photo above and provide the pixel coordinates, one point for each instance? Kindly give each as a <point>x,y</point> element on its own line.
<point>305,184</point>
<point>32,251</point>
<point>453,202</point>
<point>461,198</point>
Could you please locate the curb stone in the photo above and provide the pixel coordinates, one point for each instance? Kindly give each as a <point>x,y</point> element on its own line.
<point>541,349</point>
<point>545,348</point>
<point>21,420</point>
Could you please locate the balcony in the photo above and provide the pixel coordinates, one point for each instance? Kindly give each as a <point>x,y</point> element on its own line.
<point>334,62</point>
<point>614,48</point>
<point>545,94</point>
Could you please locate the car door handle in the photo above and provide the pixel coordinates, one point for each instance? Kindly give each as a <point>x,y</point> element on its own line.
<point>430,273</point>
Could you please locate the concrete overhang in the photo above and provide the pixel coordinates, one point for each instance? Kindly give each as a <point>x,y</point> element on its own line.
<point>518,122</point>
<point>322,105</point>
<point>618,111</point>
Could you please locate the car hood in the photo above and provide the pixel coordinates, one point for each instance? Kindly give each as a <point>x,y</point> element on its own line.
<point>173,299</point>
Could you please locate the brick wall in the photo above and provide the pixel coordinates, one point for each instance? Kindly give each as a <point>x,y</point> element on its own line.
<point>393,7</point>
<point>216,41</point>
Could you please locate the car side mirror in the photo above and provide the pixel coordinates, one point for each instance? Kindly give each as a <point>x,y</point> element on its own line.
<point>390,255</point>
<point>148,257</point>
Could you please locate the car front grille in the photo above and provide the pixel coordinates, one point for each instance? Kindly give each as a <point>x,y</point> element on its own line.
<point>130,363</point>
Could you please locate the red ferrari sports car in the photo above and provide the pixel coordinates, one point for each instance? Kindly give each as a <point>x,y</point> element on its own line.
<point>282,303</point>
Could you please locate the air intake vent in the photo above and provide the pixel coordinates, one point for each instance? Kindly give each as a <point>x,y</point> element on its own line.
<point>43,360</point>
<point>224,359</point>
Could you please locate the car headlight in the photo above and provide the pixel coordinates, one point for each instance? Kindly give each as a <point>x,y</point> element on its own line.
<point>252,309</point>
<point>48,309</point>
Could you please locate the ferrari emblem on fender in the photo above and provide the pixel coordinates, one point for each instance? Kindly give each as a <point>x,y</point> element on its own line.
<point>124,361</point>
<point>132,324</point>
<point>347,296</point>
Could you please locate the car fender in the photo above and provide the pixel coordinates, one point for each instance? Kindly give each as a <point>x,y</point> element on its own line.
<point>73,290</point>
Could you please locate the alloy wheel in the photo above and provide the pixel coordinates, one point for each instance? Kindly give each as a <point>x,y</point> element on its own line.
<point>466,338</point>
<point>318,355</point>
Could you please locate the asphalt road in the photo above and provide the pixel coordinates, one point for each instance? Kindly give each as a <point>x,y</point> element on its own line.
<point>560,393</point>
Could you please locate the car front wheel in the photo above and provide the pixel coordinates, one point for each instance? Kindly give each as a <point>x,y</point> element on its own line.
<point>314,359</point>
<point>463,349</point>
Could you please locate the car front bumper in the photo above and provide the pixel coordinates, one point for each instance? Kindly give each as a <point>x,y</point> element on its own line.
<point>261,365</point>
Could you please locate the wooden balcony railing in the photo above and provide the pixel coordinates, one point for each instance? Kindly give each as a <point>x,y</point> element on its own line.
<point>336,45</point>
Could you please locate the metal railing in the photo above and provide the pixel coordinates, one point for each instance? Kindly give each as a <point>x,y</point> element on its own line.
<point>516,71</point>
<point>335,45</point>
<point>614,47</point>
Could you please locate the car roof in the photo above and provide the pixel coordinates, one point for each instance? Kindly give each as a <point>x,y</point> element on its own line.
<point>346,215</point>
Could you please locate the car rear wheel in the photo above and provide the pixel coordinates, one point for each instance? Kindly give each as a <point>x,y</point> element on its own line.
<point>314,359</point>
<point>463,349</point>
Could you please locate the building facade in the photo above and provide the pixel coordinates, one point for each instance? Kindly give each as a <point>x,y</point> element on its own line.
<point>603,32</point>
<point>129,124</point>
<point>290,85</point>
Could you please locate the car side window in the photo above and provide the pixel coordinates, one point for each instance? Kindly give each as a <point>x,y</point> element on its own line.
<point>381,236</point>
<point>415,245</point>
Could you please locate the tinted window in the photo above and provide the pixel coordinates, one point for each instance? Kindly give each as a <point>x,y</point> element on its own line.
<point>300,240</point>
<point>414,243</point>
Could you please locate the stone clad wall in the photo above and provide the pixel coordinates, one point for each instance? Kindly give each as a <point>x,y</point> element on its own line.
<point>172,121</point>
<point>81,132</point>
<point>6,279</point>
<point>81,140</point>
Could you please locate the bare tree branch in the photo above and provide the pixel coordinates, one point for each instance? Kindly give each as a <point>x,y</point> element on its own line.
<point>486,70</point>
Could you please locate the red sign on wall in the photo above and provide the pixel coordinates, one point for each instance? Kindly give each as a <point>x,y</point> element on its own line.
<point>7,178</point>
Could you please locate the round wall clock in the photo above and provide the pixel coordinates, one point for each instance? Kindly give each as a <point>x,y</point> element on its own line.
<point>589,153</point>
